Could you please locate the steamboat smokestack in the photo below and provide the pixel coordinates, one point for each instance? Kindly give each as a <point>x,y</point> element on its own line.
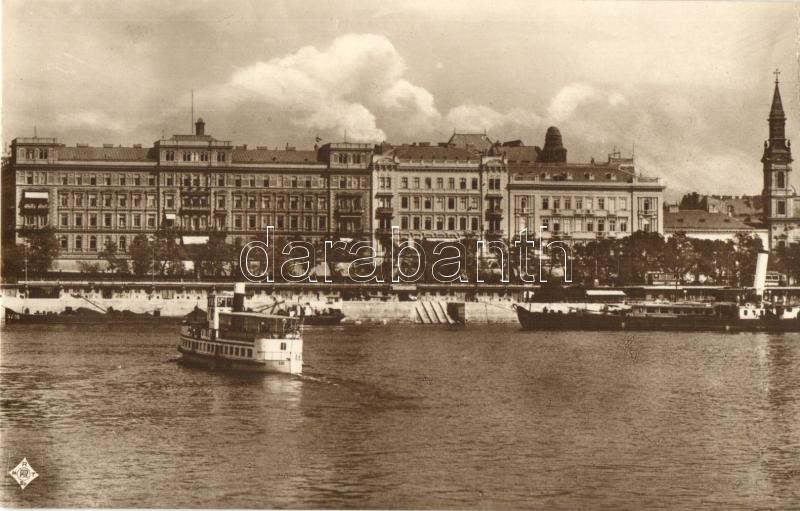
<point>238,297</point>
<point>760,278</point>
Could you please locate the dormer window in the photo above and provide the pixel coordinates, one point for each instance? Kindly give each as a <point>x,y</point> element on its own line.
<point>220,156</point>
<point>169,155</point>
<point>43,152</point>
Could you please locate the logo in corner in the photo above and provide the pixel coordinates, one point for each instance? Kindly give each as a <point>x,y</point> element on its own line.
<point>23,473</point>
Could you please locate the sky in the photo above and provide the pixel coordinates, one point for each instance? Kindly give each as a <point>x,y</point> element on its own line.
<point>686,86</point>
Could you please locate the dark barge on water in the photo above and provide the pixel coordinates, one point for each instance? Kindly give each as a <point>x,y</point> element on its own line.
<point>83,315</point>
<point>685,316</point>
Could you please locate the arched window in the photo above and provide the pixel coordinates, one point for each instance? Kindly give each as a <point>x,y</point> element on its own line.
<point>781,181</point>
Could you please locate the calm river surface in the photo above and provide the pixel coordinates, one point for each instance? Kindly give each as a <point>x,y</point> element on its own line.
<point>404,416</point>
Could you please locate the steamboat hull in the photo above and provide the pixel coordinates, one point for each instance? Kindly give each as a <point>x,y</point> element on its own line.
<point>531,320</point>
<point>220,363</point>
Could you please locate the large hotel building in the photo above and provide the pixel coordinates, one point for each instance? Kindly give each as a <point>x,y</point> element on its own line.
<point>196,184</point>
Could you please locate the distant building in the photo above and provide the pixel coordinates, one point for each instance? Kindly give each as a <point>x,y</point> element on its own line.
<point>197,185</point>
<point>781,204</point>
<point>774,215</point>
<point>194,183</point>
<point>579,202</point>
<point>701,224</point>
<point>438,191</point>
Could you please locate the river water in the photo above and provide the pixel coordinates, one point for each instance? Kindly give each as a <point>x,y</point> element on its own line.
<point>406,416</point>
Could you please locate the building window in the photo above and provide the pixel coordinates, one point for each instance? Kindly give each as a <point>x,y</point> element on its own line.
<point>623,226</point>
<point>781,207</point>
<point>322,222</point>
<point>78,243</point>
<point>440,183</point>
<point>451,223</point>
<point>475,183</point>
<point>78,220</point>
<point>545,203</point>
<point>463,183</point>
<point>474,225</point>
<point>64,220</point>
<point>601,204</point>
<point>62,242</point>
<point>451,203</point>
<point>403,202</point>
<point>107,220</point>
<point>451,183</point>
<point>646,204</point>
<point>781,181</point>
<point>428,183</point>
<point>123,243</point>
<point>220,156</point>
<point>92,243</point>
<point>251,222</point>
<point>404,222</point>
<point>108,180</point>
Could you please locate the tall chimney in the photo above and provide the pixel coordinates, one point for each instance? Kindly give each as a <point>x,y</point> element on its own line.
<point>200,127</point>
<point>238,297</point>
<point>760,278</point>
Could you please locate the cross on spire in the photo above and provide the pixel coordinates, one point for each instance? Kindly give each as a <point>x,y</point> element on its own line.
<point>776,73</point>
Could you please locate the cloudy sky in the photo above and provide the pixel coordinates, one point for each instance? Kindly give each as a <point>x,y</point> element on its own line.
<point>688,84</point>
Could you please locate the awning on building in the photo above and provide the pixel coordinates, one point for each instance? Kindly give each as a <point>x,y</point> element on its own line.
<point>194,240</point>
<point>607,293</point>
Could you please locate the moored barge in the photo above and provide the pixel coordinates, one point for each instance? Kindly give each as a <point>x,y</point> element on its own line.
<point>685,316</point>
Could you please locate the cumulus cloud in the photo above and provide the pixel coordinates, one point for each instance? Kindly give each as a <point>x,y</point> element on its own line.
<point>355,85</point>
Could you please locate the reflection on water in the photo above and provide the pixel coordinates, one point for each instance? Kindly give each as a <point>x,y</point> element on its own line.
<point>406,417</point>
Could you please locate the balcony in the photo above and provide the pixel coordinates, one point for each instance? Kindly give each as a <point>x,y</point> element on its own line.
<point>194,191</point>
<point>349,210</point>
<point>385,211</point>
<point>195,208</point>
<point>494,212</point>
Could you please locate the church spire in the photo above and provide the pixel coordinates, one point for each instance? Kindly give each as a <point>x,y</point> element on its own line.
<point>776,112</point>
<point>777,148</point>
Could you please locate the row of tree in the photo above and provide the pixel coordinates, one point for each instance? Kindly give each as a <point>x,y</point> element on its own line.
<point>611,261</point>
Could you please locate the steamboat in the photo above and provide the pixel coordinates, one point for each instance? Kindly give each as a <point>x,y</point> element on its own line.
<point>758,315</point>
<point>232,338</point>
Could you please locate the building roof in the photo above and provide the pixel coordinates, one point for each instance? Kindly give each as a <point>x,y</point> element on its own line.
<point>107,154</point>
<point>613,170</point>
<point>477,141</point>
<point>519,153</point>
<point>273,156</point>
<point>698,220</point>
<point>439,153</point>
<point>747,206</point>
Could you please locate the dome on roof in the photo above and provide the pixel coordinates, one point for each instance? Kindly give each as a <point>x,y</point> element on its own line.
<point>553,137</point>
<point>553,150</point>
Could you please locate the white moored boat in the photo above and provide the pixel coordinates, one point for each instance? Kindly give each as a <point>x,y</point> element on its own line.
<point>230,338</point>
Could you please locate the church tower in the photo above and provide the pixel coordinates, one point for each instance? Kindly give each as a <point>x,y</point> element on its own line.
<point>778,194</point>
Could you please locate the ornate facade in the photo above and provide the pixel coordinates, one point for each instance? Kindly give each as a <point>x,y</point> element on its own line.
<point>197,185</point>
